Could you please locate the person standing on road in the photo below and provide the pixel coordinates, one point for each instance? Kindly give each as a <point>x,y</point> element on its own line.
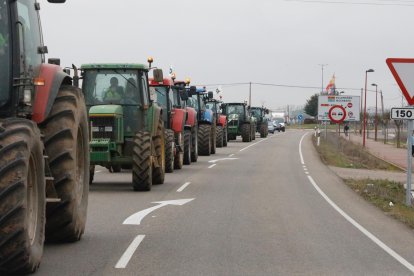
<point>346,128</point>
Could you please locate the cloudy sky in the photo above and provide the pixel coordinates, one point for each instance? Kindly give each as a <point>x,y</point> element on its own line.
<point>276,42</point>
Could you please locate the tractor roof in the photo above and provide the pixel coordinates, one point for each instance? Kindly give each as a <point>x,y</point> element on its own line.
<point>165,82</point>
<point>136,66</point>
<point>235,104</point>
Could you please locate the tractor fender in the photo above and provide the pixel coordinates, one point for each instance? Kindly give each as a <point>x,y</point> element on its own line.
<point>152,119</point>
<point>222,120</point>
<point>45,95</point>
<point>192,117</point>
<point>178,119</point>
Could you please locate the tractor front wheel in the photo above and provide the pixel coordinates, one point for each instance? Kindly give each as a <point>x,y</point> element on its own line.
<point>246,133</point>
<point>67,145</point>
<point>22,197</point>
<point>187,147</point>
<point>204,137</point>
<point>141,162</point>
<point>179,153</point>
<point>194,144</point>
<point>169,150</point>
<point>219,136</point>
<point>159,146</point>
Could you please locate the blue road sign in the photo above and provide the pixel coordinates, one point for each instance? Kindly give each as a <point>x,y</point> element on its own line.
<point>300,117</point>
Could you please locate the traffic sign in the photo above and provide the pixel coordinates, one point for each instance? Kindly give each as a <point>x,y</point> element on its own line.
<point>300,117</point>
<point>350,103</point>
<point>337,114</point>
<point>403,71</point>
<point>402,113</point>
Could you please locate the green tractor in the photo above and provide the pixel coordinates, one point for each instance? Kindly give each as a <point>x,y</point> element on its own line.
<point>262,120</point>
<point>239,121</point>
<point>127,130</point>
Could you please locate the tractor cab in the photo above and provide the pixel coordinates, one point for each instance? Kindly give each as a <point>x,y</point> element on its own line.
<point>239,121</point>
<point>235,111</point>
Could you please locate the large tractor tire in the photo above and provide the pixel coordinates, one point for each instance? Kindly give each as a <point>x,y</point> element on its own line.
<point>141,162</point>
<point>204,139</point>
<point>179,153</point>
<point>158,173</point>
<point>187,147</point>
<point>116,168</point>
<point>213,138</point>
<point>263,133</point>
<point>67,146</point>
<point>225,138</point>
<point>246,133</point>
<point>194,144</point>
<point>219,136</point>
<point>253,132</point>
<point>169,150</point>
<point>22,197</point>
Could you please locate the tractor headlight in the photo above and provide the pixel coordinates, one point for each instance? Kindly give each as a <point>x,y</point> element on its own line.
<point>27,96</point>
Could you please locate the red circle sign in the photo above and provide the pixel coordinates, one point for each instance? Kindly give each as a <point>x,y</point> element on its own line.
<point>349,105</point>
<point>337,114</point>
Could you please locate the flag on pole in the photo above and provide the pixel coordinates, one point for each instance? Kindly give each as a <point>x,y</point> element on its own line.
<point>330,89</point>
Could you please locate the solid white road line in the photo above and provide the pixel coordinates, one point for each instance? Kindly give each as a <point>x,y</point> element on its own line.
<point>377,241</point>
<point>212,166</point>
<point>253,144</point>
<point>123,261</point>
<point>183,187</point>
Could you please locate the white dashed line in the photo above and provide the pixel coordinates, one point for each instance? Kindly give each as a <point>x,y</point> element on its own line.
<point>123,261</point>
<point>212,166</point>
<point>253,144</point>
<point>183,187</point>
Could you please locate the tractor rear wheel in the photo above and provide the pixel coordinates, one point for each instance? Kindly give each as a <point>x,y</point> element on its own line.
<point>22,197</point>
<point>179,153</point>
<point>158,174</point>
<point>169,150</point>
<point>219,136</point>
<point>187,147</point>
<point>141,162</point>
<point>225,138</point>
<point>246,133</point>
<point>213,138</point>
<point>204,137</point>
<point>254,132</point>
<point>194,144</point>
<point>262,131</point>
<point>67,145</point>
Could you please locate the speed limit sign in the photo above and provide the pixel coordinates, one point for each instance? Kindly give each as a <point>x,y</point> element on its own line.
<point>403,113</point>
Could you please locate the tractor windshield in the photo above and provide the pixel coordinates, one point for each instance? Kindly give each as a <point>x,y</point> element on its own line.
<point>112,87</point>
<point>235,109</point>
<point>5,59</point>
<point>161,94</point>
<point>211,106</point>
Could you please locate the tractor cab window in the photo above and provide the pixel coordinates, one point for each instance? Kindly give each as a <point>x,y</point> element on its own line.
<point>112,87</point>
<point>192,102</point>
<point>5,59</point>
<point>235,109</point>
<point>30,37</point>
<point>211,106</point>
<point>160,95</point>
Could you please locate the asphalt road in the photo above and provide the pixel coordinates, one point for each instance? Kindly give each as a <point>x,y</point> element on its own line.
<point>268,207</point>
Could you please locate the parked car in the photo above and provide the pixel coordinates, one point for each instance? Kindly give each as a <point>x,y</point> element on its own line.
<point>270,127</point>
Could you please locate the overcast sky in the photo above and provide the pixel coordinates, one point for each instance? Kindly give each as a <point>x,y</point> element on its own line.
<point>239,41</point>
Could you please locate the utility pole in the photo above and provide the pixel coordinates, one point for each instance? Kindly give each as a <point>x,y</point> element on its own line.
<point>250,94</point>
<point>322,65</point>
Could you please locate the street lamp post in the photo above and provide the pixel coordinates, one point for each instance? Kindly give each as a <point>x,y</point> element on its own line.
<point>322,65</point>
<point>365,105</point>
<point>376,108</point>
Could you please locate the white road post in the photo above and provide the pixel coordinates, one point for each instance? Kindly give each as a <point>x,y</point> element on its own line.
<point>318,134</point>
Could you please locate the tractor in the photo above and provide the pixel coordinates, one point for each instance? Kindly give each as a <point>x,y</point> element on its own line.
<point>177,138</point>
<point>191,123</point>
<point>206,121</point>
<point>221,122</point>
<point>127,128</point>
<point>239,121</point>
<point>262,121</point>
<point>43,144</point>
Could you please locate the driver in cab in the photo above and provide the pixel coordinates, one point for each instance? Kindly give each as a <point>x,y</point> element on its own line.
<point>114,92</point>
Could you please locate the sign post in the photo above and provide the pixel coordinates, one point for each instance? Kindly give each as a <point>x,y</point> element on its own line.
<point>403,71</point>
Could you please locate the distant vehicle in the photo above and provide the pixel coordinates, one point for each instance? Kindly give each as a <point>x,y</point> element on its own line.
<point>270,127</point>
<point>279,124</point>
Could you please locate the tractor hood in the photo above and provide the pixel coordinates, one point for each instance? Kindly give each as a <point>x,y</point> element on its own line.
<point>106,110</point>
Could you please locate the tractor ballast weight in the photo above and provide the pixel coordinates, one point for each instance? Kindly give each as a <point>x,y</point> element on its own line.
<point>43,140</point>
<point>239,121</point>
<point>127,130</point>
<point>206,121</point>
<point>261,120</point>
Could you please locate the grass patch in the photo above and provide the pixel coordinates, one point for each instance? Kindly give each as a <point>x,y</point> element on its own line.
<point>339,152</point>
<point>381,193</point>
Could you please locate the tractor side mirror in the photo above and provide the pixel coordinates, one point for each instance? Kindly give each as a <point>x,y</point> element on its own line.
<point>55,61</point>
<point>193,91</point>
<point>158,75</point>
<point>210,95</point>
<point>183,94</point>
<point>56,1</point>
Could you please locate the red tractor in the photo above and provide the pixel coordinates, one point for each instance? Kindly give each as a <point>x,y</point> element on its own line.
<point>191,122</point>
<point>177,138</point>
<point>44,160</point>
<point>221,122</point>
